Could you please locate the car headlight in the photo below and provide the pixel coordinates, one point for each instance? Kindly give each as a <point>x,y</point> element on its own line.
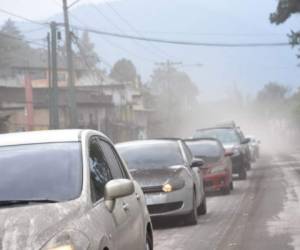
<point>217,169</point>
<point>68,240</point>
<point>173,184</point>
<point>167,188</point>
<point>65,247</point>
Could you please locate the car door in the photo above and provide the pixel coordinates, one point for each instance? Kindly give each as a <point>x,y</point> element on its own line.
<point>103,225</point>
<point>196,173</point>
<point>130,217</point>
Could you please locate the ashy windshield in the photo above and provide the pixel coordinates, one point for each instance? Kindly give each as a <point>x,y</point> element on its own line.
<point>51,171</point>
<point>226,136</point>
<point>151,155</point>
<point>209,151</point>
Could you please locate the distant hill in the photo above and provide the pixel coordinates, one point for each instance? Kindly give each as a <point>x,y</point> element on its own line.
<point>196,20</point>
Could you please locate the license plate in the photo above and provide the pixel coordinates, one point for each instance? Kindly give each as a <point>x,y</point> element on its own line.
<point>155,198</point>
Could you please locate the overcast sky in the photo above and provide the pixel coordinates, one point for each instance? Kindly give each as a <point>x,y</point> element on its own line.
<point>34,9</point>
<point>250,69</point>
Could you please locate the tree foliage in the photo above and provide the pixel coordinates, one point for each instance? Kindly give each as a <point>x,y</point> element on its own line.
<point>13,49</point>
<point>124,71</point>
<point>285,9</point>
<point>88,50</point>
<point>175,98</point>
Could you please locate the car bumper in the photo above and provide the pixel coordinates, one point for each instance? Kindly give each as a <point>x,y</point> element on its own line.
<point>178,202</point>
<point>216,182</point>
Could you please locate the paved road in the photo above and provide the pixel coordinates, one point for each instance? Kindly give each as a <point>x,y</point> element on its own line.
<point>261,213</point>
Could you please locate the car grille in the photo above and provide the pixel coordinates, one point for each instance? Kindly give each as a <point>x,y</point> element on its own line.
<point>208,183</point>
<point>163,208</point>
<point>152,189</point>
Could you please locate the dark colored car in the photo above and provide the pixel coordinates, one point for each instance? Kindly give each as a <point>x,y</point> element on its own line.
<point>234,142</point>
<point>169,176</point>
<point>217,170</point>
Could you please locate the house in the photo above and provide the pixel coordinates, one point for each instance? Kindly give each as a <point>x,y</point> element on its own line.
<point>93,108</point>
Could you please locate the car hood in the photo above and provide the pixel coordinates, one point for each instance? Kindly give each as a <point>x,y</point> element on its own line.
<point>31,226</point>
<point>230,145</point>
<point>157,176</point>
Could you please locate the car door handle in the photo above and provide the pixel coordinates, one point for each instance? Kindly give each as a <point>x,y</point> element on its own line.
<point>125,206</point>
<point>138,197</point>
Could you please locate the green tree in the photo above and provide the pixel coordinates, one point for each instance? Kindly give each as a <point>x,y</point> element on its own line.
<point>13,49</point>
<point>273,101</point>
<point>88,50</point>
<point>174,99</point>
<point>124,71</point>
<point>285,9</point>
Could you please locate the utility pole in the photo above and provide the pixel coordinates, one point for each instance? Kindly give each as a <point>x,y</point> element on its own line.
<point>71,84</point>
<point>54,105</point>
<point>50,108</point>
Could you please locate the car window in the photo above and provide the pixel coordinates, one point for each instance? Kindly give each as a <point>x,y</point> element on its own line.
<point>112,160</point>
<point>209,151</point>
<point>224,135</point>
<point>47,171</point>
<point>151,154</point>
<point>100,172</point>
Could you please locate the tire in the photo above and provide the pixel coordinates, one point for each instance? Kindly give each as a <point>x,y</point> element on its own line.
<point>226,190</point>
<point>192,217</point>
<point>248,165</point>
<point>243,174</point>
<point>202,209</point>
<point>149,242</point>
<point>231,185</point>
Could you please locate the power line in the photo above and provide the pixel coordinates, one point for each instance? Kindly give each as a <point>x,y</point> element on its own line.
<point>120,30</point>
<point>22,17</point>
<point>20,39</point>
<point>185,33</point>
<point>186,43</point>
<point>131,26</point>
<point>111,43</point>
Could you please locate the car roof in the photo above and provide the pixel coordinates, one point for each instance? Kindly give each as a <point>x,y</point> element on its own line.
<point>216,127</point>
<point>148,141</point>
<point>45,136</point>
<point>202,139</point>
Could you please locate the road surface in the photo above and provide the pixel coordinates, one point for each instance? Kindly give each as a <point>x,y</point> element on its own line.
<point>261,213</point>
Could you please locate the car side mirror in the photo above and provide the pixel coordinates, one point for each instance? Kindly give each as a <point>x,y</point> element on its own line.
<point>228,153</point>
<point>115,189</point>
<point>246,141</point>
<point>197,163</point>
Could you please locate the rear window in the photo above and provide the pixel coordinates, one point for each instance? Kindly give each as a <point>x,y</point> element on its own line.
<point>150,155</point>
<point>224,135</point>
<point>51,171</point>
<point>209,151</point>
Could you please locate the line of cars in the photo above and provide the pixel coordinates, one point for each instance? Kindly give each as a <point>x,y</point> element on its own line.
<point>74,189</point>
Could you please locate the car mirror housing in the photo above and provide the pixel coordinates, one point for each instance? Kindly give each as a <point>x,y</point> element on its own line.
<point>228,153</point>
<point>115,189</point>
<point>197,163</point>
<point>245,141</point>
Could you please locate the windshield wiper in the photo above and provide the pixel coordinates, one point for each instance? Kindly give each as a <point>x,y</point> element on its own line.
<point>25,202</point>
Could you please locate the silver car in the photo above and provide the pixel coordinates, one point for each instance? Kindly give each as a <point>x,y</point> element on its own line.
<point>169,175</point>
<point>68,190</point>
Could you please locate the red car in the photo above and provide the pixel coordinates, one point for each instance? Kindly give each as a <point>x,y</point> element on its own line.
<point>217,170</point>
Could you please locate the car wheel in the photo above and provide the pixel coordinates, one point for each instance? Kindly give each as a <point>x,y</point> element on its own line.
<point>192,217</point>
<point>243,174</point>
<point>231,185</point>
<point>248,165</point>
<point>149,243</point>
<point>202,209</point>
<point>226,190</point>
